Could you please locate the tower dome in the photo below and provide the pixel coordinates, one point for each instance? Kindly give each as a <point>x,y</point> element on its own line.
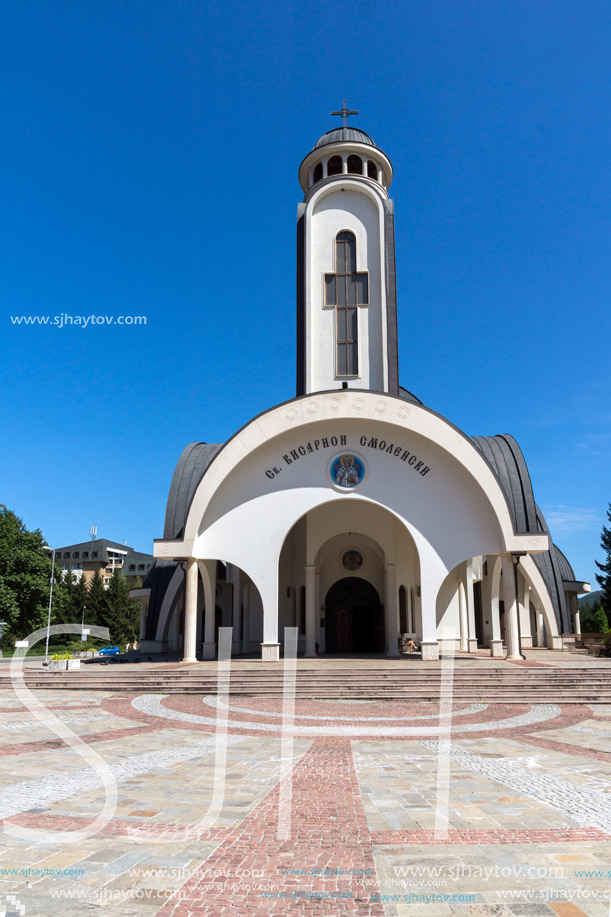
<point>345,151</point>
<point>344,135</point>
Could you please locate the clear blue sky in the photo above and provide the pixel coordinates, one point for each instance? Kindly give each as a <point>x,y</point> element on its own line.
<point>149,167</point>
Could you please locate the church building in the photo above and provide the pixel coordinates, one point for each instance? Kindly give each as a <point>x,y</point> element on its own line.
<point>353,511</point>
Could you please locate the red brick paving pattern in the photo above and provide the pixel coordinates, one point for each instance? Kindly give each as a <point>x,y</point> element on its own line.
<point>24,748</point>
<point>188,703</point>
<point>168,831</point>
<point>329,832</point>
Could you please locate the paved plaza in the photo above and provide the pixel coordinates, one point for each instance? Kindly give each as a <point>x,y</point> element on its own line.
<point>337,807</point>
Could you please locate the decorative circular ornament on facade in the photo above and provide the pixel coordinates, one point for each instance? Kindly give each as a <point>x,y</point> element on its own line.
<point>335,404</point>
<point>358,404</point>
<point>347,470</point>
<point>381,406</point>
<point>291,414</point>
<point>313,407</point>
<point>352,560</point>
<point>403,412</point>
<point>534,542</point>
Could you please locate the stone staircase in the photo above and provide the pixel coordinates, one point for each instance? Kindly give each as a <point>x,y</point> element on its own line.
<point>507,684</point>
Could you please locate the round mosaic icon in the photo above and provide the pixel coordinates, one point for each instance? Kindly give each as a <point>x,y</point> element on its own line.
<point>347,470</point>
<point>352,560</point>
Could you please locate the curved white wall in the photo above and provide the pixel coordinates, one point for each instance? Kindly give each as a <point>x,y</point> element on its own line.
<point>359,209</point>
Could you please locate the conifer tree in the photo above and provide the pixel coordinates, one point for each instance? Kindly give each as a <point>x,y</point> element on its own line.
<point>604,578</point>
<point>601,622</point>
<point>96,600</point>
<point>121,615</point>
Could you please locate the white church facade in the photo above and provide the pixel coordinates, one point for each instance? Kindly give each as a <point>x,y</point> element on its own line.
<point>353,511</point>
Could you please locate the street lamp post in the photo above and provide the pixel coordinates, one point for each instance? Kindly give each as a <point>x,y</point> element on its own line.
<point>52,551</point>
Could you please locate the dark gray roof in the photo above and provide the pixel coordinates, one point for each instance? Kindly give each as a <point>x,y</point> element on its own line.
<point>101,545</point>
<point>157,580</point>
<point>507,460</point>
<point>566,571</point>
<point>138,560</point>
<point>344,135</point>
<point>408,396</point>
<point>189,471</point>
<point>509,464</point>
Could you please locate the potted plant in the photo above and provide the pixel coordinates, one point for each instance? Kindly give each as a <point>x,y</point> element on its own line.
<point>64,662</point>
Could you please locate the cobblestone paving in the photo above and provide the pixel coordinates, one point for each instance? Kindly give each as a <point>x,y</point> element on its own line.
<point>529,809</point>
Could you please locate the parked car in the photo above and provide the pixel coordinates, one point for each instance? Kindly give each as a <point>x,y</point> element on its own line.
<point>110,651</point>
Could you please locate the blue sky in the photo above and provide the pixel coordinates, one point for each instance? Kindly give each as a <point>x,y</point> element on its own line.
<point>149,168</point>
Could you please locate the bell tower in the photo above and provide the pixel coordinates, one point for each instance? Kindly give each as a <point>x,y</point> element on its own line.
<point>346,279</point>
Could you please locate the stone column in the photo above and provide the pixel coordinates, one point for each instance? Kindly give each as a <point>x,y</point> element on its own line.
<point>325,173</point>
<point>208,572</point>
<point>470,606</point>
<point>391,610</point>
<point>246,618</point>
<point>496,643</point>
<point>190,628</point>
<point>236,611</point>
<point>365,162</point>
<point>428,610</point>
<point>577,624</point>
<point>310,609</point>
<point>511,609</point>
<point>540,640</point>
<point>462,611</point>
<point>527,640</point>
<point>268,590</point>
<point>344,163</point>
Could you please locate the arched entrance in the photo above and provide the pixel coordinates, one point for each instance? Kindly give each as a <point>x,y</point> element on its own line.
<point>354,617</point>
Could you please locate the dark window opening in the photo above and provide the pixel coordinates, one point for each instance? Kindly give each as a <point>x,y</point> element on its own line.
<point>355,165</point>
<point>132,566</point>
<point>85,553</point>
<point>346,290</point>
<point>335,166</point>
<point>66,553</point>
<point>220,570</point>
<point>94,553</point>
<point>318,171</point>
<point>372,170</point>
<point>302,610</point>
<point>75,553</point>
<point>403,610</point>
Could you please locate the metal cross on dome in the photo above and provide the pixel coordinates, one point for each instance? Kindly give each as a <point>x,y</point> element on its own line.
<point>344,113</point>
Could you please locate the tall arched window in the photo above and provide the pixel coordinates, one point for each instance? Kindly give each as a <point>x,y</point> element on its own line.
<point>347,289</point>
<point>335,166</point>
<point>318,171</point>
<point>372,170</point>
<point>355,165</point>
<point>403,610</point>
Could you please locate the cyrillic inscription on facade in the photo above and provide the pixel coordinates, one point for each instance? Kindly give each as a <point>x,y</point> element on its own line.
<point>365,442</point>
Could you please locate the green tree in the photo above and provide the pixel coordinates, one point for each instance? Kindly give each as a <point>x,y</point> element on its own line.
<point>61,608</point>
<point>96,600</point>
<point>601,622</point>
<point>80,600</point>
<point>122,614</point>
<point>604,578</point>
<point>588,625</point>
<point>25,572</point>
